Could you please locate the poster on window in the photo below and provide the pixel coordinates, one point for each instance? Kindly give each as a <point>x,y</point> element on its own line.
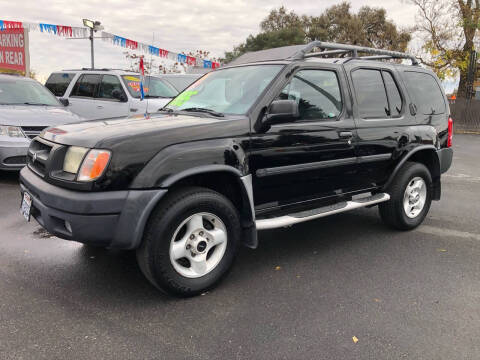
<point>14,50</point>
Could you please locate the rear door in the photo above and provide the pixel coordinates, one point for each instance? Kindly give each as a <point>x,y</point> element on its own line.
<point>381,119</point>
<point>311,158</point>
<point>82,97</point>
<point>107,105</point>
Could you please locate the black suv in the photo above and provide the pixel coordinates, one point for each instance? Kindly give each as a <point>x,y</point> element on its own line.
<point>276,138</point>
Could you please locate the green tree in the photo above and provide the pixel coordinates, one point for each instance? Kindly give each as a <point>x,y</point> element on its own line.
<point>449,30</point>
<point>338,23</point>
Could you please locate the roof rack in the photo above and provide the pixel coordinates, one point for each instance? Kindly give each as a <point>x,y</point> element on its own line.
<point>299,52</point>
<point>353,50</point>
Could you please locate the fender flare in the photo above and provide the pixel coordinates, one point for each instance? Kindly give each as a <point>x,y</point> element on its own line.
<point>405,159</point>
<point>244,181</point>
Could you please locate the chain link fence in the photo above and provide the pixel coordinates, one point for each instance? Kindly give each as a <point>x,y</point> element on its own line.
<point>466,115</point>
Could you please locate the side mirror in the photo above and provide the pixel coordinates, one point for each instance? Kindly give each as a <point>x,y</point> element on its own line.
<point>281,111</point>
<point>64,102</point>
<point>119,95</point>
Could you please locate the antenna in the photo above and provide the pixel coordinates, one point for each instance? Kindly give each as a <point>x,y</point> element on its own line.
<point>150,78</point>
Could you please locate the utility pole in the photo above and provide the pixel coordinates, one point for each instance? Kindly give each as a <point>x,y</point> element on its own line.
<point>94,26</point>
<point>91,49</point>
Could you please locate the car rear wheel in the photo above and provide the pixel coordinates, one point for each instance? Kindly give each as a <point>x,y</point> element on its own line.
<point>190,241</point>
<point>410,197</point>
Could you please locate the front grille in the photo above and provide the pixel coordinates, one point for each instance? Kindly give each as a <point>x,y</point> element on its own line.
<point>32,131</point>
<point>38,155</point>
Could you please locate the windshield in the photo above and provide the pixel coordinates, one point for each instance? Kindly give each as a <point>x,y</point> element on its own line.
<point>180,82</point>
<point>28,92</point>
<point>153,87</point>
<point>231,91</point>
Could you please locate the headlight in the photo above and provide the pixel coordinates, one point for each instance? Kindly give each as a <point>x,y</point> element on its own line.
<point>11,131</point>
<point>73,159</point>
<point>93,165</point>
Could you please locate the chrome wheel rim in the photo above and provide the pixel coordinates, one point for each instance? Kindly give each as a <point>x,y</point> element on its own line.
<point>415,197</point>
<point>198,245</point>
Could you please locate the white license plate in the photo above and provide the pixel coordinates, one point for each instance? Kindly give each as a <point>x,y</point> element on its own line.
<point>26,206</point>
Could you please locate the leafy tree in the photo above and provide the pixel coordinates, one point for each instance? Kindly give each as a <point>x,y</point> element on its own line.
<point>449,30</point>
<point>368,27</point>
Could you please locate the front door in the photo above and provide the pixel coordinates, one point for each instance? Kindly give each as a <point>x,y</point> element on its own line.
<point>310,158</point>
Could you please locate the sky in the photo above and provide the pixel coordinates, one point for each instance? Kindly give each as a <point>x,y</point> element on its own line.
<point>175,25</point>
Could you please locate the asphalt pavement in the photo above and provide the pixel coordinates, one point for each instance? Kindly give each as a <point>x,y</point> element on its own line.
<point>342,287</point>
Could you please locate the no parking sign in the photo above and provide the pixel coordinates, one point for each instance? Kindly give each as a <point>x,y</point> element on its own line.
<point>14,50</point>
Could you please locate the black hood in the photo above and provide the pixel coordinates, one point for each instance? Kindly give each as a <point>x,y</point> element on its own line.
<point>135,141</point>
<point>109,132</point>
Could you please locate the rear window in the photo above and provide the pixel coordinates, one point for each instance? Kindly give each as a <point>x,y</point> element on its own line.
<point>426,91</point>
<point>371,96</point>
<point>377,93</point>
<point>58,83</point>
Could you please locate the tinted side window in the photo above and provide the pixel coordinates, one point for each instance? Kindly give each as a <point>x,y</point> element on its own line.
<point>86,85</point>
<point>108,85</point>
<point>317,93</point>
<point>370,93</point>
<point>394,97</point>
<point>427,93</point>
<point>58,83</point>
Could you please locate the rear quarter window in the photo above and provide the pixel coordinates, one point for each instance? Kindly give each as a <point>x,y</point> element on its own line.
<point>426,92</point>
<point>58,83</point>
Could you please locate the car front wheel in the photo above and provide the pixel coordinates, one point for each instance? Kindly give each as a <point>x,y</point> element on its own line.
<point>190,241</point>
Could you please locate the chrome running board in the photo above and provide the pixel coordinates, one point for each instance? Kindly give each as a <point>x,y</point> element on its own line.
<point>295,218</point>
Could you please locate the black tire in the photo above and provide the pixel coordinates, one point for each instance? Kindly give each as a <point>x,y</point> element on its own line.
<point>153,255</point>
<point>392,212</point>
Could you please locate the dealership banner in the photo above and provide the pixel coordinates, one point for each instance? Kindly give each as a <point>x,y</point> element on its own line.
<point>82,32</point>
<point>14,49</point>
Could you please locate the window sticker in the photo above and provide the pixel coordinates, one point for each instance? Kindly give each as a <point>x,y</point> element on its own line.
<point>183,97</point>
<point>131,78</point>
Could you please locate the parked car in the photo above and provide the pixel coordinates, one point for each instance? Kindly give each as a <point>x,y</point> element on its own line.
<point>279,137</point>
<point>101,94</point>
<point>26,108</point>
<point>180,81</point>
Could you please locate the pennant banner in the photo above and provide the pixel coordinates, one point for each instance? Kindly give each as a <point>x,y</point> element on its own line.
<point>81,32</point>
<point>153,50</point>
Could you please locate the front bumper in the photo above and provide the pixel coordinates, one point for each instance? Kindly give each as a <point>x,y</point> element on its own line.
<point>13,152</point>
<point>114,219</point>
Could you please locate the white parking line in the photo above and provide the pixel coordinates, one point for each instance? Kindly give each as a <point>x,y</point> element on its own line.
<point>426,229</point>
<point>462,177</point>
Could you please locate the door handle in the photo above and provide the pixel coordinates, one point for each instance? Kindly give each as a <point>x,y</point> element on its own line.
<point>345,134</point>
<point>99,107</point>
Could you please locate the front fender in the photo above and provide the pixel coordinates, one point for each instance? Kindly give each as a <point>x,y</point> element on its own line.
<point>180,160</point>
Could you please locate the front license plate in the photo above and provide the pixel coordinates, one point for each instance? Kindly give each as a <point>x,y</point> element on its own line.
<point>26,206</point>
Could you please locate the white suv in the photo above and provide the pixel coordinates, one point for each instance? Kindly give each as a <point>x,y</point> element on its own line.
<point>101,94</point>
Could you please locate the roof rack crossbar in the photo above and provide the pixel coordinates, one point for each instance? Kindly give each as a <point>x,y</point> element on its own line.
<point>326,52</point>
<point>354,49</point>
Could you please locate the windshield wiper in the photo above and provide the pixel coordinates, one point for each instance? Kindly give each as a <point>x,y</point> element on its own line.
<point>209,111</point>
<point>166,110</point>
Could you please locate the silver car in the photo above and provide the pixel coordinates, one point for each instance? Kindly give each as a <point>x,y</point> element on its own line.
<point>26,108</point>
